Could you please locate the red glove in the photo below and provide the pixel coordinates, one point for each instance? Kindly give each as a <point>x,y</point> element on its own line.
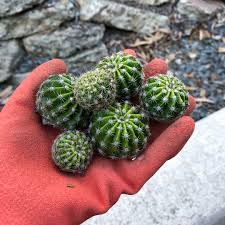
<point>154,67</point>
<point>34,192</point>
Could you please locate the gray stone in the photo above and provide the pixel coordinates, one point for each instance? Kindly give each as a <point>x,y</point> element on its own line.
<point>199,9</point>
<point>10,55</point>
<point>17,78</point>
<point>66,40</point>
<point>187,190</point>
<point>86,59</point>
<point>10,7</point>
<point>122,16</point>
<point>46,17</point>
<point>148,2</point>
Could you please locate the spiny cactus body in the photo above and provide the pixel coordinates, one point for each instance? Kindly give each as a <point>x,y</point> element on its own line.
<point>120,132</point>
<point>127,71</point>
<point>95,90</point>
<point>56,104</point>
<point>72,151</point>
<point>164,97</point>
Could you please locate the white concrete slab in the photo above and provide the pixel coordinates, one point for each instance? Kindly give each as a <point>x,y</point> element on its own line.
<point>187,190</point>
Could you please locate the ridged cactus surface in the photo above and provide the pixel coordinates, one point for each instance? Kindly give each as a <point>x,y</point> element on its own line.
<point>95,90</point>
<point>72,151</point>
<point>121,131</point>
<point>164,97</point>
<point>127,71</point>
<point>56,104</point>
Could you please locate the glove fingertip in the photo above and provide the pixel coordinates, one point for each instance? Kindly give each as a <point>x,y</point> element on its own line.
<point>154,67</point>
<point>54,66</point>
<point>170,141</point>
<point>128,51</point>
<point>191,107</point>
<point>181,131</point>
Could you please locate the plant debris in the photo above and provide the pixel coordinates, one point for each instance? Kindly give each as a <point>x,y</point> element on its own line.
<point>70,186</point>
<point>147,40</point>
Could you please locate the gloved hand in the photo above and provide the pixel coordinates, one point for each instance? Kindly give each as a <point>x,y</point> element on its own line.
<point>34,192</point>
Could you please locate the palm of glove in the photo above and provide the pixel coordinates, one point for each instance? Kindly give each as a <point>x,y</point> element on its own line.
<point>34,191</point>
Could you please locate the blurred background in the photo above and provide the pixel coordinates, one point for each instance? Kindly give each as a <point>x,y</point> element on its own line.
<point>188,34</point>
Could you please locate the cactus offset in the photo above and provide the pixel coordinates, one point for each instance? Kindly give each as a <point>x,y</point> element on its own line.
<point>127,71</point>
<point>120,132</point>
<point>72,151</point>
<point>56,104</point>
<point>164,97</point>
<point>95,90</point>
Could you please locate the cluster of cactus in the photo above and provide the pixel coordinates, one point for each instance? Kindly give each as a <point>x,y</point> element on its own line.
<point>117,129</point>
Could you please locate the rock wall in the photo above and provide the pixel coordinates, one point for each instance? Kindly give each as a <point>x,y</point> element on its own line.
<point>73,30</point>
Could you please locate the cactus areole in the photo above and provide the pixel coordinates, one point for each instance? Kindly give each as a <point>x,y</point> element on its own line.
<point>164,97</point>
<point>72,151</point>
<point>120,132</point>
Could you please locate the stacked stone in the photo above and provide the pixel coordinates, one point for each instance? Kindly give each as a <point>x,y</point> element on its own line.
<point>39,27</point>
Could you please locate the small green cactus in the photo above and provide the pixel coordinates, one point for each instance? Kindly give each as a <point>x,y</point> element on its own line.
<point>95,90</point>
<point>72,151</point>
<point>164,97</point>
<point>127,71</point>
<point>56,104</point>
<point>120,132</point>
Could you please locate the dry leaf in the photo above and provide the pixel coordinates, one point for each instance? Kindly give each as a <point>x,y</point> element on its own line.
<point>191,88</point>
<point>147,40</point>
<point>221,50</point>
<point>202,100</point>
<point>204,34</point>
